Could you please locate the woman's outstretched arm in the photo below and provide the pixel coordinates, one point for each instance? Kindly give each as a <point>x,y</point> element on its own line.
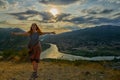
<point>21,33</point>
<point>48,33</point>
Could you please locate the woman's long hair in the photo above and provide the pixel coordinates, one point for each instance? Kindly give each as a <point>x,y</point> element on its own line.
<point>37,29</point>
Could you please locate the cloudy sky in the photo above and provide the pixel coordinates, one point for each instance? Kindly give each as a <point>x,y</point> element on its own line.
<point>59,15</point>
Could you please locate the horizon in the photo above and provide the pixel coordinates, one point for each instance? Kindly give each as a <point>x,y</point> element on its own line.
<point>59,15</point>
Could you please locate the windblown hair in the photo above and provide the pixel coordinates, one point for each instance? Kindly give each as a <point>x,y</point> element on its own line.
<point>37,29</point>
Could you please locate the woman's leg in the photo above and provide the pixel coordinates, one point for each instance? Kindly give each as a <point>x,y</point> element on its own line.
<point>35,59</point>
<point>35,66</point>
<point>37,51</point>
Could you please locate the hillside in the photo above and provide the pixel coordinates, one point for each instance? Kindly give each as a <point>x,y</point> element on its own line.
<point>9,41</point>
<point>12,46</point>
<point>61,70</point>
<point>89,40</point>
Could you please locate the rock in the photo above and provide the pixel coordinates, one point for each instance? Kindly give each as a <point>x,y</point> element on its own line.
<point>13,79</point>
<point>3,71</point>
<point>16,58</point>
<point>86,73</point>
<point>1,57</point>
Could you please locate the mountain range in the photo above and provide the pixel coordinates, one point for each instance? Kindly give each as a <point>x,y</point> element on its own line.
<point>13,42</point>
<point>9,41</point>
<point>103,39</point>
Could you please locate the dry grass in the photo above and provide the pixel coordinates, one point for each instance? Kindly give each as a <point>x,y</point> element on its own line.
<point>59,70</point>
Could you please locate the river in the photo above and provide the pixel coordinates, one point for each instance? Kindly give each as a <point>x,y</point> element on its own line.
<point>53,53</point>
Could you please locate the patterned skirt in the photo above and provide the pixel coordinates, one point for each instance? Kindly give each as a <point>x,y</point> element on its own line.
<point>34,52</point>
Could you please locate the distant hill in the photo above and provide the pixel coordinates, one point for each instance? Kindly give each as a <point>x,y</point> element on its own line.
<point>88,39</point>
<point>14,47</point>
<point>9,41</point>
<point>99,40</point>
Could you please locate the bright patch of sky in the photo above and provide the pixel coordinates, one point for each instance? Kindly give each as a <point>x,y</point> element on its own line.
<point>80,13</point>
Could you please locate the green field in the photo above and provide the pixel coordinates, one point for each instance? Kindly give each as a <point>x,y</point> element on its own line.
<point>97,52</point>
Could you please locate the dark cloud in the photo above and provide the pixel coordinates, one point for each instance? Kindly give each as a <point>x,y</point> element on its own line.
<point>58,2</point>
<point>93,20</point>
<point>97,11</point>
<point>46,16</point>
<point>3,4</point>
<point>60,17</point>
<point>78,20</point>
<point>101,20</point>
<point>114,21</point>
<point>30,13</point>
<point>117,14</point>
<point>112,1</point>
<point>105,11</point>
<point>71,27</point>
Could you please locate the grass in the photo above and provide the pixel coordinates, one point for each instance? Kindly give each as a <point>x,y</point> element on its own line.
<point>60,70</point>
<point>19,55</point>
<point>16,67</point>
<point>98,52</point>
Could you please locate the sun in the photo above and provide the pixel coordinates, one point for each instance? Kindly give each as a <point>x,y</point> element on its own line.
<point>54,11</point>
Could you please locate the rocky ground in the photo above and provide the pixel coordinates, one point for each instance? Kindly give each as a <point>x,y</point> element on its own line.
<point>60,70</point>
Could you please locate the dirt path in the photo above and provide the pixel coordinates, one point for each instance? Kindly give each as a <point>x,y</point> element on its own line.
<point>50,70</point>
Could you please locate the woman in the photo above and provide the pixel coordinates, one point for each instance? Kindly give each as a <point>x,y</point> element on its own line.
<point>34,46</point>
